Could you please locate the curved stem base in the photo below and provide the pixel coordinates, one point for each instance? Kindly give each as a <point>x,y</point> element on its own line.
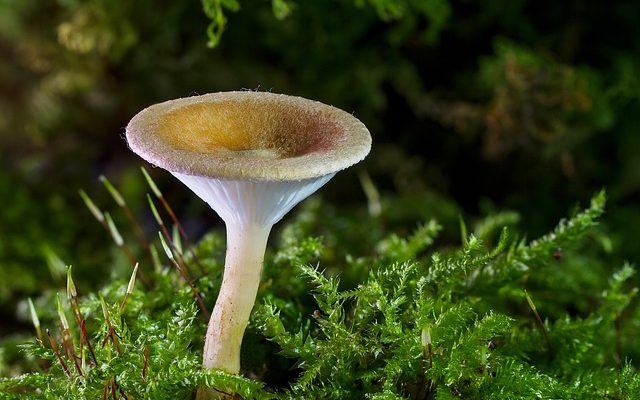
<point>243,266</point>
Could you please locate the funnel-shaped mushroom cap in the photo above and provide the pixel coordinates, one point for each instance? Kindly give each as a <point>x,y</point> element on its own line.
<point>248,136</point>
<point>253,151</point>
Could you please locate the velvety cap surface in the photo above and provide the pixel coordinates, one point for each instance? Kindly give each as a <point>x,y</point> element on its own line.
<point>248,135</point>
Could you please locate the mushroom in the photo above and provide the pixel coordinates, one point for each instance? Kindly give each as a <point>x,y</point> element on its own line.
<point>252,156</point>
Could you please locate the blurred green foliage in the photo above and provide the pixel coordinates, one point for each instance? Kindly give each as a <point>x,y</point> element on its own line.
<point>495,105</point>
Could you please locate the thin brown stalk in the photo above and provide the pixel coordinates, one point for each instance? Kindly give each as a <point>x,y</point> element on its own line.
<point>174,219</point>
<point>114,338</point>
<point>129,254</point>
<point>137,228</point>
<point>56,351</point>
<point>105,390</point>
<point>124,246</point>
<point>111,332</point>
<point>75,310</point>
<point>120,201</point>
<point>539,322</point>
<point>64,342</point>
<point>67,340</point>
<point>108,225</point>
<point>167,235</point>
<point>69,348</point>
<point>145,364</point>
<point>113,388</point>
<point>116,388</point>
<point>83,335</point>
<point>194,289</point>
<point>82,353</point>
<point>72,297</point>
<point>77,365</point>
<point>187,241</point>
<point>177,254</point>
<point>196,292</point>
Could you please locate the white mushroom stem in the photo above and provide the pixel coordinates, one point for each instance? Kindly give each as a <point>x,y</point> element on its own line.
<point>243,265</point>
<point>249,210</point>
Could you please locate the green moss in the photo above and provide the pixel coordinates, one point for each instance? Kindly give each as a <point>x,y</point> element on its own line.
<point>423,319</point>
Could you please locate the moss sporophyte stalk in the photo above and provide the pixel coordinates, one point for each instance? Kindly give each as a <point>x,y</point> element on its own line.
<point>252,156</point>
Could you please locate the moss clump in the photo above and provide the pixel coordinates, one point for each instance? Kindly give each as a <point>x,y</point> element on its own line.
<point>418,317</point>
